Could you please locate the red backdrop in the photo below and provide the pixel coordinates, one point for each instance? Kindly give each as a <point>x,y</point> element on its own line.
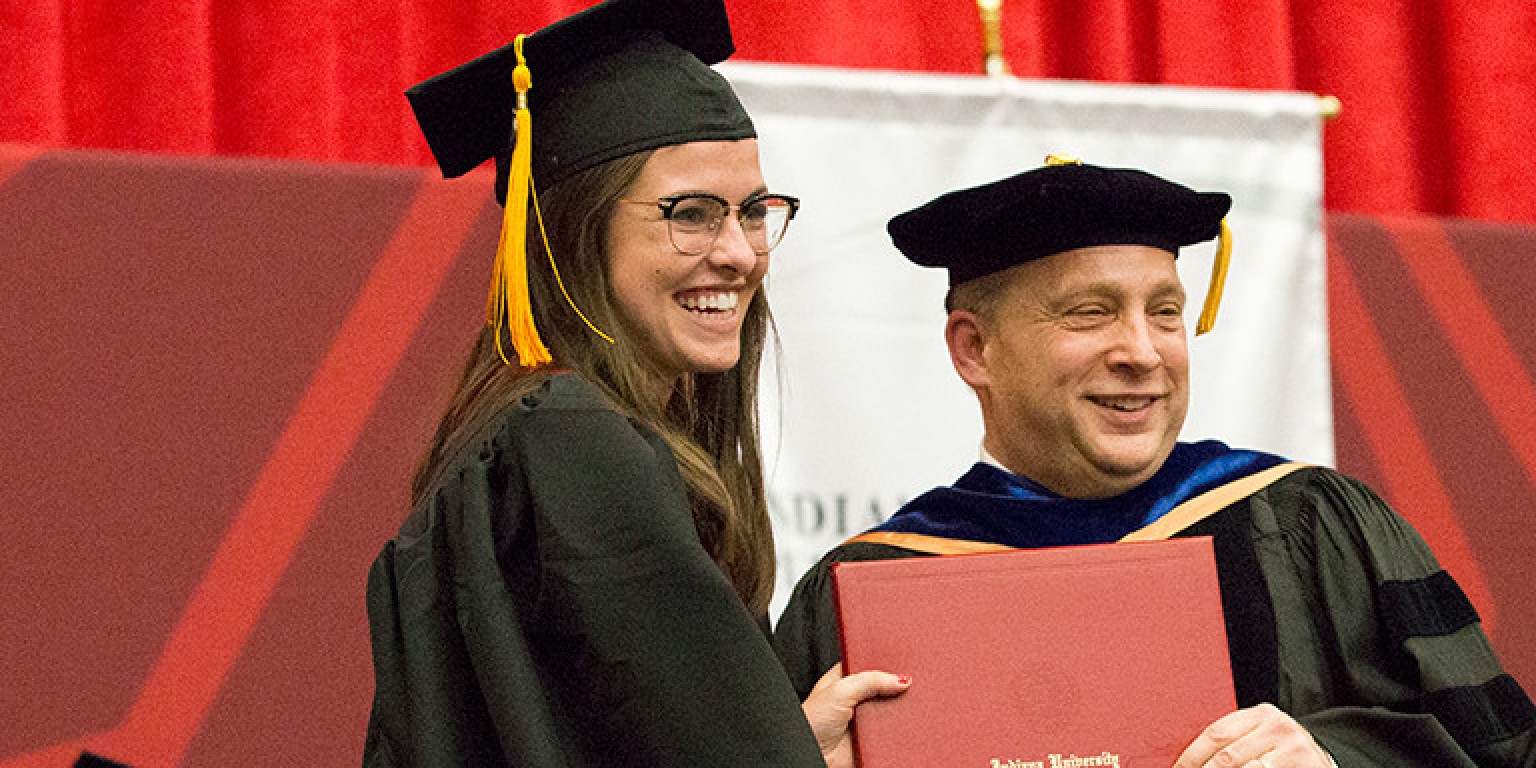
<point>209,414</point>
<point>203,443</point>
<point>1439,95</point>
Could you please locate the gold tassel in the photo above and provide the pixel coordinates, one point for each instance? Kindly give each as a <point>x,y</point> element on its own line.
<point>539,216</point>
<point>1218,280</point>
<point>508,305</point>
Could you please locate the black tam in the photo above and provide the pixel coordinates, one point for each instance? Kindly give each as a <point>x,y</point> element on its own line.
<point>622,77</point>
<point>978,231</point>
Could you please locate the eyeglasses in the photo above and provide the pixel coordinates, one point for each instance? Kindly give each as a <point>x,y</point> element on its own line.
<point>694,219</point>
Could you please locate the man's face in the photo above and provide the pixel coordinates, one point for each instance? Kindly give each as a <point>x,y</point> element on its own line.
<point>1083,369</point>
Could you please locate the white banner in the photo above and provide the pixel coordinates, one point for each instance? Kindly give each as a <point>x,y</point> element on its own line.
<point>863,410</point>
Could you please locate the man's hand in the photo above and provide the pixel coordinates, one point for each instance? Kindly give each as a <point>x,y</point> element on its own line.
<point>829,708</point>
<point>1256,737</point>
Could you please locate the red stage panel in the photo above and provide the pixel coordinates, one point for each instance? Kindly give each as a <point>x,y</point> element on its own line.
<point>192,351</point>
<point>215,378</point>
<point>1439,415</point>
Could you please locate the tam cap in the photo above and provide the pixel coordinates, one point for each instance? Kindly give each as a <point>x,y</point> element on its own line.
<point>1061,206</point>
<point>621,77</point>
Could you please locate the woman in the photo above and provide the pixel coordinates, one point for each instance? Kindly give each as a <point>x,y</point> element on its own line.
<point>585,576</point>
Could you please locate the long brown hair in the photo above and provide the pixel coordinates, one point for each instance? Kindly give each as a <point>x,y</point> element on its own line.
<point>709,420</point>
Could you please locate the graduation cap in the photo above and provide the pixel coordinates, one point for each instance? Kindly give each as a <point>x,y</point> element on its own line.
<point>1058,207</point>
<point>621,77</point>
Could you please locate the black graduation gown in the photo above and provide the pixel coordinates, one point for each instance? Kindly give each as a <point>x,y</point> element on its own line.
<point>550,605</point>
<point>1336,611</point>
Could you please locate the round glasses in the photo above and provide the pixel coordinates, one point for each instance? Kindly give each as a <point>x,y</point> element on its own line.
<point>694,219</point>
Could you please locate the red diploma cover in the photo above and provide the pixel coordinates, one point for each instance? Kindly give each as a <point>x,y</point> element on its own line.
<point>1100,655</point>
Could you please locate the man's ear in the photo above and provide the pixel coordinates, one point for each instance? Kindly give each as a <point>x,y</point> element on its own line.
<point>965,333</point>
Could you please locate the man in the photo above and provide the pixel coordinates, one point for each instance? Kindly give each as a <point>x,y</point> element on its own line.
<point>1349,644</point>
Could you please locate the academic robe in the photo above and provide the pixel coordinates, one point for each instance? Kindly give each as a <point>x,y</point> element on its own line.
<point>1336,610</point>
<point>550,604</point>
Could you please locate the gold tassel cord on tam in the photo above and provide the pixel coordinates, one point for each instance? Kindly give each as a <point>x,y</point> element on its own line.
<point>508,304</point>
<point>1218,280</point>
<point>544,236</point>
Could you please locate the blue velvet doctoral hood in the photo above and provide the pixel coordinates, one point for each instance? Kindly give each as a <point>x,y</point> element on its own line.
<point>992,505</point>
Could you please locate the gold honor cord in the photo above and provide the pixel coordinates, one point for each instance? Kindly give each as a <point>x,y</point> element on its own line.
<point>508,304</point>
<point>1218,280</point>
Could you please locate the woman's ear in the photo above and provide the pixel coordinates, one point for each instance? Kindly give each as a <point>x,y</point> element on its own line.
<point>965,334</point>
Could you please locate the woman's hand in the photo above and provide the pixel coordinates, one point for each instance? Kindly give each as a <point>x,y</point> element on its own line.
<point>1257,737</point>
<point>830,707</point>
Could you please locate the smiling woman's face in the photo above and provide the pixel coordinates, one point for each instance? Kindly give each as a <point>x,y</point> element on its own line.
<point>688,309</point>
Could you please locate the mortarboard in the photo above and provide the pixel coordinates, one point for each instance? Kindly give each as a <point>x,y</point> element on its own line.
<point>1058,207</point>
<point>621,77</point>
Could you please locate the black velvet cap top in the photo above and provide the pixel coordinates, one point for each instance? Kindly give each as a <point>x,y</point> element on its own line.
<point>978,231</point>
<point>621,77</point>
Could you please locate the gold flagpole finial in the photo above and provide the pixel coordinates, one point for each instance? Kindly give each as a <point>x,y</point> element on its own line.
<point>1329,106</point>
<point>992,61</point>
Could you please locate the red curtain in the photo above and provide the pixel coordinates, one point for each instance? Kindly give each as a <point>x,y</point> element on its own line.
<point>1439,96</point>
